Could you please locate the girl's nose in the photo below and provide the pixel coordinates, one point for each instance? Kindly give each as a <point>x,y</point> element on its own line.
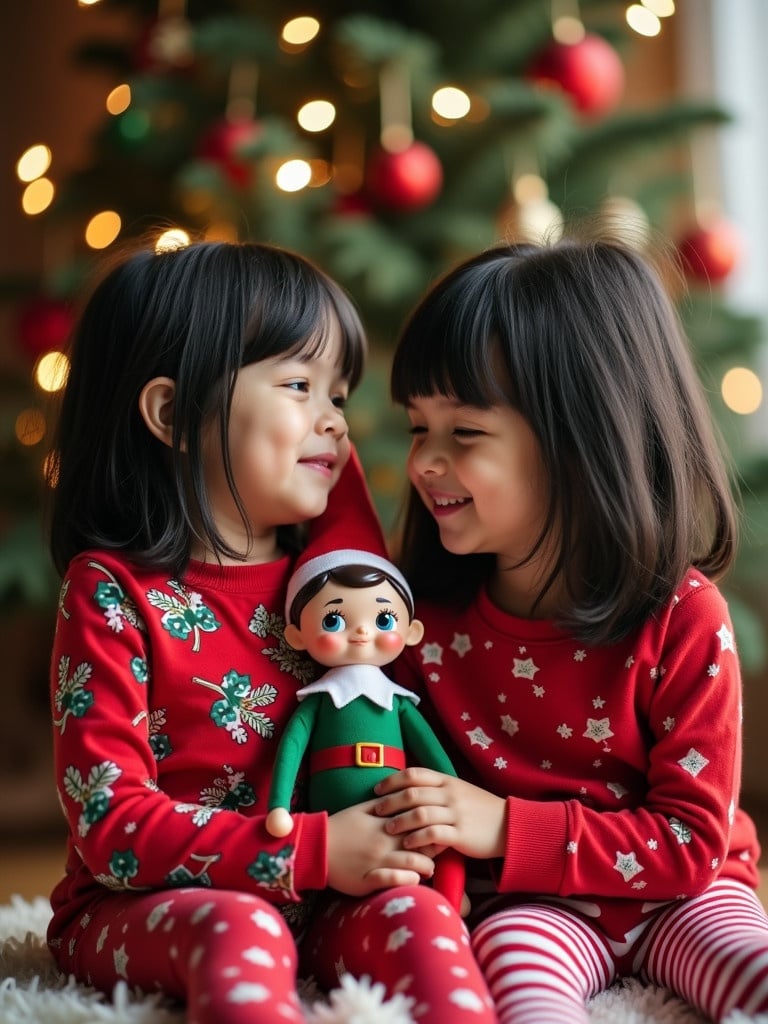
<point>332,421</point>
<point>427,458</point>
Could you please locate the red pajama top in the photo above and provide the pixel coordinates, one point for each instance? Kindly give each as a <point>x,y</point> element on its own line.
<point>620,764</point>
<point>168,698</point>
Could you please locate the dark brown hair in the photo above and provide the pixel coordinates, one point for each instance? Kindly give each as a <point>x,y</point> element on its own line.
<point>357,576</point>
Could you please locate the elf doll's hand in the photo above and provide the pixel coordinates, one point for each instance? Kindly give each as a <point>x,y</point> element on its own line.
<point>279,822</point>
<point>432,811</point>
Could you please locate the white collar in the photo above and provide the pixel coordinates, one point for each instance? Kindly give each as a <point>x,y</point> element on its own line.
<point>348,682</point>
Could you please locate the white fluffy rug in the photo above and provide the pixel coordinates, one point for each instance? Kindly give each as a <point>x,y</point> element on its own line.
<point>32,991</point>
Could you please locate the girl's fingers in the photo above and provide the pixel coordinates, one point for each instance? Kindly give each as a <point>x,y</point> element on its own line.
<point>411,798</point>
<point>398,781</point>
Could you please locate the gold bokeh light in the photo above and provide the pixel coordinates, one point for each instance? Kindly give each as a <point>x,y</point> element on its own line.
<point>299,31</point>
<point>172,239</point>
<point>103,229</point>
<point>316,116</point>
<point>51,371</point>
<point>37,196</point>
<point>642,20</point>
<point>33,162</point>
<point>742,391</point>
<point>119,99</point>
<point>30,427</point>
<point>451,103</point>
<point>293,175</point>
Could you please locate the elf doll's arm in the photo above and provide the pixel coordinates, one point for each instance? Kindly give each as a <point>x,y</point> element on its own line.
<point>290,751</point>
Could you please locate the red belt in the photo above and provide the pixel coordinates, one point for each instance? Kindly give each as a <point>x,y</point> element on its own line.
<point>360,755</point>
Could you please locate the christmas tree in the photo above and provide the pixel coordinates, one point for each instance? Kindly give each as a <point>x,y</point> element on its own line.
<point>385,140</point>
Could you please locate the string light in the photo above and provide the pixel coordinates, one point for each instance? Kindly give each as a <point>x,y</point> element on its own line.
<point>316,116</point>
<point>742,391</point>
<point>29,427</point>
<point>51,371</point>
<point>33,163</point>
<point>119,99</point>
<point>642,20</point>
<point>661,8</point>
<point>37,196</point>
<point>172,239</point>
<point>293,175</point>
<point>451,103</point>
<point>298,32</point>
<point>103,229</point>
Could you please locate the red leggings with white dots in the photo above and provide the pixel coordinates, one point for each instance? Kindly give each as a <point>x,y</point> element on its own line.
<point>543,962</point>
<point>230,958</point>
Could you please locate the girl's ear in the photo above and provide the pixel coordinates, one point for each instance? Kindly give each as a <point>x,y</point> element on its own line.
<point>156,405</point>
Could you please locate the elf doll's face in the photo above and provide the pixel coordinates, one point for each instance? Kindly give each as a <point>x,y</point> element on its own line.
<point>354,625</point>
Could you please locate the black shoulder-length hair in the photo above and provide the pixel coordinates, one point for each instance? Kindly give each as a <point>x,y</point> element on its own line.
<point>596,361</point>
<point>195,314</point>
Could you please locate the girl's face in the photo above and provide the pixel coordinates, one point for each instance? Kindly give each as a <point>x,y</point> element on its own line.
<point>287,443</point>
<point>481,475</point>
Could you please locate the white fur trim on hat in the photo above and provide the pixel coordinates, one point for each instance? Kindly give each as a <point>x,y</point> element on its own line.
<point>306,571</point>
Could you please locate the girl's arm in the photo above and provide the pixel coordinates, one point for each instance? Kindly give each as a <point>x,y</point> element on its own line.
<point>113,748</point>
<point>673,842</point>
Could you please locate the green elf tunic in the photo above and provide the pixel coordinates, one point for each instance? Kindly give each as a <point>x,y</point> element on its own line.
<point>356,724</point>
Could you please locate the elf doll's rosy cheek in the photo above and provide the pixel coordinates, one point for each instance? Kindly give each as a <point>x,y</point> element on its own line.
<point>329,644</point>
<point>391,643</point>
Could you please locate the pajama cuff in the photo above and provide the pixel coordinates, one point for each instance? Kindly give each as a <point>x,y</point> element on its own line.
<point>311,866</point>
<point>535,852</point>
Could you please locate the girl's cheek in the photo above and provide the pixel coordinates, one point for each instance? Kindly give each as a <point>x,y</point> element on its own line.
<point>329,644</point>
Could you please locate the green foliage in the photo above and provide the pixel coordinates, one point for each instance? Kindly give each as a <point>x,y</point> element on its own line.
<point>150,165</point>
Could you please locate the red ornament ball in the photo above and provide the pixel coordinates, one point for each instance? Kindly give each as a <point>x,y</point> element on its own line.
<point>351,204</point>
<point>406,180</point>
<point>590,72</point>
<point>710,252</point>
<point>222,145</point>
<point>44,325</point>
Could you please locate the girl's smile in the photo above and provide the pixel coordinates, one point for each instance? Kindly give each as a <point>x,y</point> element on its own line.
<point>480,473</point>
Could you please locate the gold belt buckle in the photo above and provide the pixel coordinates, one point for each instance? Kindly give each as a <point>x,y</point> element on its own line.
<point>363,752</point>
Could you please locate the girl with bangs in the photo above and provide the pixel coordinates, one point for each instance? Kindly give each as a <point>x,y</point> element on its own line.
<point>568,518</point>
<point>201,428</point>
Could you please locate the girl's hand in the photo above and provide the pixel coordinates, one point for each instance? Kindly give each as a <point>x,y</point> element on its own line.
<point>364,856</point>
<point>432,811</point>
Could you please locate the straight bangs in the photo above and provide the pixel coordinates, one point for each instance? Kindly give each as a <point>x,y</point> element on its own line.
<point>302,323</point>
<point>450,346</point>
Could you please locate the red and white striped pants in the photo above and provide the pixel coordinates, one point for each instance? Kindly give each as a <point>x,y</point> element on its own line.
<point>543,962</point>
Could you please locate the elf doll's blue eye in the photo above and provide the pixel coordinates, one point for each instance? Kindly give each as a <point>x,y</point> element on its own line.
<point>386,621</point>
<point>333,622</point>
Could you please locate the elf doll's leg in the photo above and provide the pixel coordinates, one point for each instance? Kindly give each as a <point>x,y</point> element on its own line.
<point>228,956</point>
<point>411,941</point>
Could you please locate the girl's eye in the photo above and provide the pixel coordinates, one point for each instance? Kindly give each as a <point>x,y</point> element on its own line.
<point>467,432</point>
<point>386,621</point>
<point>333,622</point>
<point>298,385</point>
<point>416,430</point>
<point>339,401</point>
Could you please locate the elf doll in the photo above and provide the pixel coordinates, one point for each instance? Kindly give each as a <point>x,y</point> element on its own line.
<point>352,611</point>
